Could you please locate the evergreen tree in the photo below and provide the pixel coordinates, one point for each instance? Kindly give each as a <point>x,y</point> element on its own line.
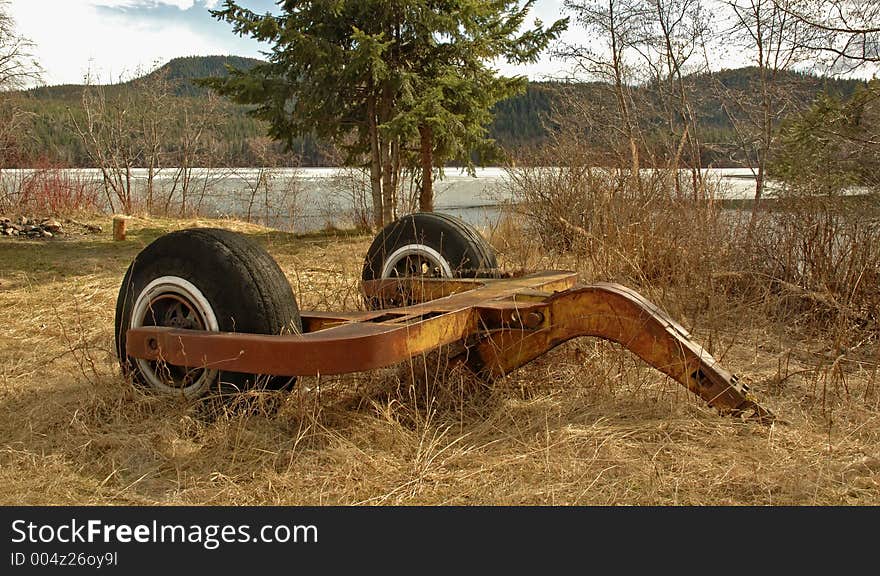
<point>832,146</point>
<point>377,76</point>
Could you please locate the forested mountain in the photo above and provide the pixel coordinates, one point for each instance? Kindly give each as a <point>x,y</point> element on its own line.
<point>235,138</point>
<point>521,126</point>
<point>181,72</point>
<point>523,123</point>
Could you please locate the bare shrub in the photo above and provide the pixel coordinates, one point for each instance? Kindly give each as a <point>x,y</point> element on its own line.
<point>350,187</point>
<point>822,254</point>
<point>644,233</point>
<point>49,191</point>
<point>811,261</point>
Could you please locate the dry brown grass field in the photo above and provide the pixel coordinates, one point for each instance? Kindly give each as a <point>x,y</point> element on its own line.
<point>586,424</point>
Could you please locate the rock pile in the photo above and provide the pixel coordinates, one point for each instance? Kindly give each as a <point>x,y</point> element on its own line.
<point>30,227</point>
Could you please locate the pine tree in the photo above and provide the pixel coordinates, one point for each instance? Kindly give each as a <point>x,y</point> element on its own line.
<point>405,83</point>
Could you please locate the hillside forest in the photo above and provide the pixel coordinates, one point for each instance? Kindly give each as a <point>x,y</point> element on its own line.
<point>229,136</point>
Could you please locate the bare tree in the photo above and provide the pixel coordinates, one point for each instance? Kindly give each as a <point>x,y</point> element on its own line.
<point>18,68</point>
<point>195,147</point>
<point>774,42</point>
<point>618,24</point>
<point>107,139</point>
<point>846,33</point>
<point>837,143</point>
<point>121,128</point>
<point>155,91</point>
<point>675,35</point>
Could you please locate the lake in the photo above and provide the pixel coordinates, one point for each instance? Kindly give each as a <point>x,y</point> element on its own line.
<point>309,199</point>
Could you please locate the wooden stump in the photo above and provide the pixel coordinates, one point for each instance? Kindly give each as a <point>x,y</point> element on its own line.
<point>119,227</point>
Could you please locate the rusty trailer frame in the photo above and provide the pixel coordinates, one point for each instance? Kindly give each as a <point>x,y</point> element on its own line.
<point>503,324</point>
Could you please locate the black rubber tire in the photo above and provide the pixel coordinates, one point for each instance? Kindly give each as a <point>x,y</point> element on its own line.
<point>466,251</point>
<point>241,282</point>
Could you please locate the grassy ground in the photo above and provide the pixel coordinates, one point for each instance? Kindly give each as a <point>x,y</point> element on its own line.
<point>586,424</point>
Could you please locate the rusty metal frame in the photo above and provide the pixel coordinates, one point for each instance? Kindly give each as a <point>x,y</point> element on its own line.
<point>503,323</point>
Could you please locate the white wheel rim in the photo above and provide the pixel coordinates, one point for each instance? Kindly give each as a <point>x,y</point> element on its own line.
<point>421,251</point>
<point>177,288</point>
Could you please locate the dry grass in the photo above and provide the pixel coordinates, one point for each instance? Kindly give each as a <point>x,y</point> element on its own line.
<point>586,424</point>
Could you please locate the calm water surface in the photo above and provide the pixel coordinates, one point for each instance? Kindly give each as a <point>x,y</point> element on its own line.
<point>309,199</point>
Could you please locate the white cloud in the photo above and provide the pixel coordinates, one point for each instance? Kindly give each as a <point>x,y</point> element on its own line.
<point>114,39</point>
<point>182,4</point>
<point>74,38</point>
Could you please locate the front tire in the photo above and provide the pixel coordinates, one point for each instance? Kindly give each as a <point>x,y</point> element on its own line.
<point>203,279</point>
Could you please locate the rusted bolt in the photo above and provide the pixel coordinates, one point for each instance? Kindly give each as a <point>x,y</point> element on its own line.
<point>152,344</point>
<point>533,319</point>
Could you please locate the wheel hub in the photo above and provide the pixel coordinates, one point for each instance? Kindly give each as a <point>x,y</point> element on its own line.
<point>416,260</point>
<point>174,302</point>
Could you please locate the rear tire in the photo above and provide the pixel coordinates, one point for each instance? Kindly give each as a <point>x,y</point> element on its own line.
<point>203,279</point>
<point>430,245</point>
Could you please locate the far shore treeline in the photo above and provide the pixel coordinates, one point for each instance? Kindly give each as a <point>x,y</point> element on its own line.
<point>521,126</point>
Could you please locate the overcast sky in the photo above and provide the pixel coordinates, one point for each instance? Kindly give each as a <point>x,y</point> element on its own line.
<point>117,39</point>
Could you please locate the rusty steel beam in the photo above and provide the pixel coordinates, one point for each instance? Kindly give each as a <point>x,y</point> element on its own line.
<point>344,348</point>
<point>430,291</point>
<point>339,343</point>
<point>618,314</point>
<point>505,323</point>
